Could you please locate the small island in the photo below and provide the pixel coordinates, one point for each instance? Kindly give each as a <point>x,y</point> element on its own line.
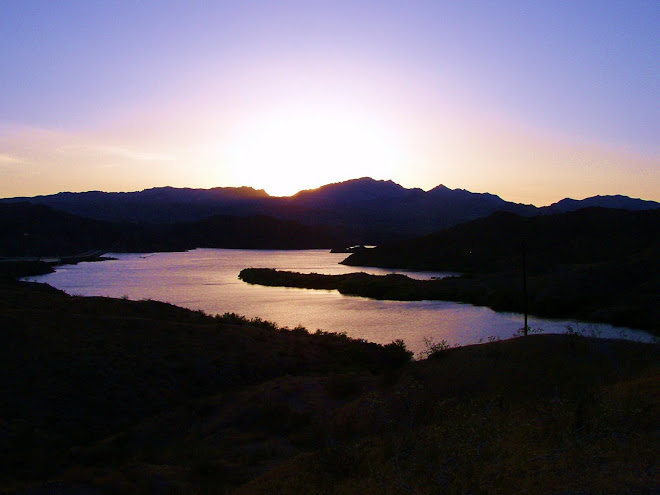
<point>395,287</point>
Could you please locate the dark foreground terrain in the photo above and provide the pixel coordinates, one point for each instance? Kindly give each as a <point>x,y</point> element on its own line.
<point>114,396</point>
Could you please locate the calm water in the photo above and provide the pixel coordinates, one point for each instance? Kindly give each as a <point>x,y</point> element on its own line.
<point>207,279</point>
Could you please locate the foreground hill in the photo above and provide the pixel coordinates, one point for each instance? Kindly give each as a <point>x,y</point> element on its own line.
<point>91,381</point>
<point>373,211</point>
<point>115,396</point>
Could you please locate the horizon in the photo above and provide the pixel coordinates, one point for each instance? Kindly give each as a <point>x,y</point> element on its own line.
<point>533,102</point>
<point>316,188</point>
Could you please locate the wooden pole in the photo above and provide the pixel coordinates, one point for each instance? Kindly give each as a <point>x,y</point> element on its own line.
<point>524,270</point>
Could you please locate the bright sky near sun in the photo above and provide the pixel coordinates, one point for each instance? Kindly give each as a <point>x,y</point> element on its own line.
<point>531,100</point>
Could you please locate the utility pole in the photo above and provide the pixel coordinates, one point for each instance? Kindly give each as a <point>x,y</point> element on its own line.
<point>524,271</point>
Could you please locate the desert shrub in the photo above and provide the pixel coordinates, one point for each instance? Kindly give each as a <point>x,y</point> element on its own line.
<point>235,319</point>
<point>433,349</point>
<point>397,354</point>
<point>232,318</point>
<point>299,330</point>
<point>530,331</point>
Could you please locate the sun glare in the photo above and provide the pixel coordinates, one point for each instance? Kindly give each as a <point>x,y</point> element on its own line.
<point>289,150</point>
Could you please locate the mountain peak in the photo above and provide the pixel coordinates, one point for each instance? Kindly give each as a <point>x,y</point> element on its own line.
<point>241,192</point>
<point>354,190</point>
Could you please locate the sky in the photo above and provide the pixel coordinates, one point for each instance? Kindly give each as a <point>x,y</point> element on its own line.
<point>532,100</point>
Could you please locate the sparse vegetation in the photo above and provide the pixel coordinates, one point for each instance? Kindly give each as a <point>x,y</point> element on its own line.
<point>432,348</point>
<point>118,396</point>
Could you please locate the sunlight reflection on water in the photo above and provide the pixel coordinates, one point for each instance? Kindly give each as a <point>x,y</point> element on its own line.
<point>207,279</point>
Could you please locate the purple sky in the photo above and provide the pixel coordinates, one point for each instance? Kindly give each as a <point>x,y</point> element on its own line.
<point>534,101</point>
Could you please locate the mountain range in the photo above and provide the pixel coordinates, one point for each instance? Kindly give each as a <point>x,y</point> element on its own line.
<point>588,262</point>
<point>364,210</point>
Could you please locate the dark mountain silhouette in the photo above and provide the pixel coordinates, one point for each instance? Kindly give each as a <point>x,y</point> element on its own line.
<point>253,232</point>
<point>361,190</point>
<point>372,211</point>
<point>590,235</point>
<point>617,201</point>
<point>593,264</point>
<point>383,207</point>
<point>157,205</point>
<point>37,231</point>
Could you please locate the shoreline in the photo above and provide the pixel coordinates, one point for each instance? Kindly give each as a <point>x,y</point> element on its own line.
<point>20,267</point>
<point>463,289</point>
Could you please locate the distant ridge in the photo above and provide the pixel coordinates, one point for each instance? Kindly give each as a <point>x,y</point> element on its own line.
<point>155,205</point>
<point>30,230</point>
<point>594,264</point>
<point>374,211</point>
<point>617,201</point>
<point>491,244</point>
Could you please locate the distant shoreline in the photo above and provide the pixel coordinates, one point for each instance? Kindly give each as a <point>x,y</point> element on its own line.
<point>467,289</point>
<point>18,267</point>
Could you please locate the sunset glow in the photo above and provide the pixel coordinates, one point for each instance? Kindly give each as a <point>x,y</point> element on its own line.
<point>534,101</point>
<point>290,149</point>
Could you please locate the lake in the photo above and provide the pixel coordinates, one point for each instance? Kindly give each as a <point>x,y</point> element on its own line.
<point>207,279</point>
